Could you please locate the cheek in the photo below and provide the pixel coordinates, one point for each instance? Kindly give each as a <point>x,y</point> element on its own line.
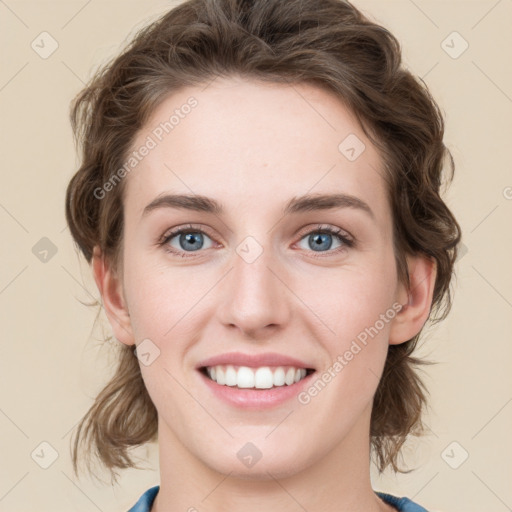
<point>161,299</point>
<point>358,309</point>
<point>351,299</point>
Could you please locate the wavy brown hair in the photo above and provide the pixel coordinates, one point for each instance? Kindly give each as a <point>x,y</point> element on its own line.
<point>326,43</point>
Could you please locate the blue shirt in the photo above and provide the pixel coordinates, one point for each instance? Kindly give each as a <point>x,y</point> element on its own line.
<point>401,504</point>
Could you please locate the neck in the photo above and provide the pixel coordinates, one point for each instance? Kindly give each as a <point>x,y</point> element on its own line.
<point>337,481</point>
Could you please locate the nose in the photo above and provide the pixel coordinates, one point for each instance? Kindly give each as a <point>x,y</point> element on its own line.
<point>255,298</point>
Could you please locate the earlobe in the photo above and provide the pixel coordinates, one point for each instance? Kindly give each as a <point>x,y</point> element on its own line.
<point>416,301</point>
<point>110,288</point>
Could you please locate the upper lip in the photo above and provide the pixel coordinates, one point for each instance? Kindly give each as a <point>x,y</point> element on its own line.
<point>254,360</point>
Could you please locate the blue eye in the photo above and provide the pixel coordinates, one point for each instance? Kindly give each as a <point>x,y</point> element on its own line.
<point>320,241</point>
<point>190,240</point>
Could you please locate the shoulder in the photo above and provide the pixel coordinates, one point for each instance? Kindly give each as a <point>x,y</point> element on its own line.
<point>146,500</point>
<point>401,504</point>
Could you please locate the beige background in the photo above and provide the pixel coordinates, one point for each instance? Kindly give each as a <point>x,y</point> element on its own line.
<point>52,360</point>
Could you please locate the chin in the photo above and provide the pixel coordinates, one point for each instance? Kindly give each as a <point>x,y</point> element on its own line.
<point>247,462</point>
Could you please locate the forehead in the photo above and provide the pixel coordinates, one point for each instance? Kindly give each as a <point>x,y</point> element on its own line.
<point>254,145</point>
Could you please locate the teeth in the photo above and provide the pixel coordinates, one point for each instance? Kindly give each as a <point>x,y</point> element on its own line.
<point>245,377</point>
<point>259,378</point>
<point>231,377</point>
<point>290,376</point>
<point>221,378</point>
<point>263,378</point>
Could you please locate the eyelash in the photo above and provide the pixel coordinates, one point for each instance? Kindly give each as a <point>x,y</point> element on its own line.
<point>337,232</point>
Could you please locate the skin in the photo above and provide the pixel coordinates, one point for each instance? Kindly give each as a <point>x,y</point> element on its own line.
<point>254,146</point>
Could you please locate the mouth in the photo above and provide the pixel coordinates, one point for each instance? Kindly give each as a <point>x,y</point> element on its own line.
<point>255,378</point>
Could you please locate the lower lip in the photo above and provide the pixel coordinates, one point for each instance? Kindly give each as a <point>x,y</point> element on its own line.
<point>256,398</point>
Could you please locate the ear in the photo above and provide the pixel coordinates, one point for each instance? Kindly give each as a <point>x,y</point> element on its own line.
<point>110,287</point>
<point>416,301</point>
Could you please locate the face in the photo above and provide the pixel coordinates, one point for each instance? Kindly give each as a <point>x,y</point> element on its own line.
<point>267,273</point>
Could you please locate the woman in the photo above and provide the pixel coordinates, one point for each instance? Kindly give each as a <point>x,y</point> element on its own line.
<point>259,199</point>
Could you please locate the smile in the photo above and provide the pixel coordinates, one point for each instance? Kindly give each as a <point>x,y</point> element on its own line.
<point>264,377</point>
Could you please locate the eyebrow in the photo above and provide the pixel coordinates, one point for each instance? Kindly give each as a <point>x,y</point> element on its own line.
<point>305,203</point>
